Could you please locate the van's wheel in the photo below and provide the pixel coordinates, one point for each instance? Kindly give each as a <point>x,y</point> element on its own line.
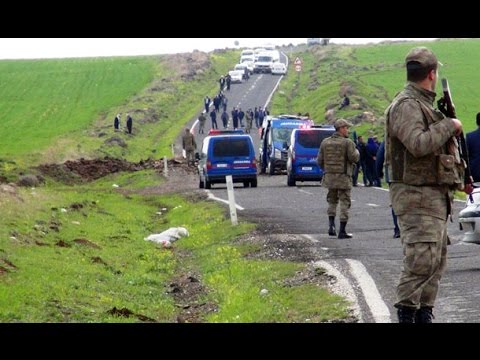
<point>271,168</point>
<point>201,184</point>
<point>246,184</point>
<point>208,184</point>
<point>253,183</point>
<point>290,180</point>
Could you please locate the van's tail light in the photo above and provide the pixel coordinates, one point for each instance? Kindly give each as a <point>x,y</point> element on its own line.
<point>293,155</point>
<point>209,164</point>
<point>253,164</point>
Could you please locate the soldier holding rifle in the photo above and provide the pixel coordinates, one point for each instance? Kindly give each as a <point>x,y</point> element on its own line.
<point>424,172</point>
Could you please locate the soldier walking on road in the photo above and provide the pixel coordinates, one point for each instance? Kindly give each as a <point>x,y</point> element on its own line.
<point>337,156</point>
<point>201,123</point>
<point>189,145</point>
<point>418,158</point>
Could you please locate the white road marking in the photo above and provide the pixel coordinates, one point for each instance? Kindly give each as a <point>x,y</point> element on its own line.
<point>192,130</point>
<point>311,238</point>
<point>273,91</point>
<point>342,287</point>
<point>373,205</point>
<point>374,300</point>
<point>213,197</point>
<point>304,191</point>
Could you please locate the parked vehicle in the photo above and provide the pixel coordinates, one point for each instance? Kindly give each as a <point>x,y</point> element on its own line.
<point>469,218</point>
<point>236,75</point>
<point>275,141</point>
<point>263,64</point>
<point>279,68</point>
<point>302,154</point>
<point>223,155</point>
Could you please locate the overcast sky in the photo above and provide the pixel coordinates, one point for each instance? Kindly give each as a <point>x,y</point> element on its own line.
<point>25,48</point>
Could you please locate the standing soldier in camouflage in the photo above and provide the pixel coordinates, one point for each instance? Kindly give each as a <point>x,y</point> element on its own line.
<point>337,156</point>
<point>201,123</point>
<point>421,189</point>
<point>189,145</point>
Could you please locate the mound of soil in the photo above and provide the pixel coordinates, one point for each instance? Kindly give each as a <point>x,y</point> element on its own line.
<point>83,170</point>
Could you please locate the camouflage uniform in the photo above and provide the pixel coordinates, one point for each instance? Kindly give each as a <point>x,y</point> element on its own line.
<point>189,144</point>
<point>416,137</point>
<point>337,156</point>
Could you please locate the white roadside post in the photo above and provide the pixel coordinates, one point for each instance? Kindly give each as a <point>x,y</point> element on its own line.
<point>165,167</point>
<point>231,200</point>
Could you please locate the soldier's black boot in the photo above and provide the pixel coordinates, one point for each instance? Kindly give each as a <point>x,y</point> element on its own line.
<point>343,234</point>
<point>424,315</point>
<point>406,314</point>
<point>331,227</point>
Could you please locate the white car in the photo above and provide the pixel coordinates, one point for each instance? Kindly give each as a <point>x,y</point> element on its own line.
<point>242,67</point>
<point>236,75</point>
<point>469,218</point>
<point>279,68</point>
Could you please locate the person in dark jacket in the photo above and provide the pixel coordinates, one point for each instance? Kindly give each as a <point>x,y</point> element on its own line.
<point>116,122</point>
<point>379,165</point>
<point>345,102</point>
<point>129,123</point>
<point>473,146</point>
<point>213,116</point>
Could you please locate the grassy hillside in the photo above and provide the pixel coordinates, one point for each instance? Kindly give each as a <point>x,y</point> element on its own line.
<point>55,110</point>
<point>42,100</point>
<point>372,75</point>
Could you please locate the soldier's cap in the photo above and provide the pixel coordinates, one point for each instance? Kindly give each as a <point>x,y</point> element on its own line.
<point>341,123</point>
<point>420,57</point>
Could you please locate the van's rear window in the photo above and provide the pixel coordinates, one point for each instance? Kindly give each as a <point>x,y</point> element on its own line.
<point>231,147</point>
<point>312,139</point>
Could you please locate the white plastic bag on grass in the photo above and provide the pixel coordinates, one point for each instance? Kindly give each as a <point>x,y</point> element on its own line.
<point>171,235</point>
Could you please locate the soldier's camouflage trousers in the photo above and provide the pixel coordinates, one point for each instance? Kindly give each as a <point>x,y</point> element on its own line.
<point>424,240</point>
<point>334,196</point>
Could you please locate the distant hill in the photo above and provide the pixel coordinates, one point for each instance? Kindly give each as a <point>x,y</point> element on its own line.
<point>63,109</point>
<point>371,75</point>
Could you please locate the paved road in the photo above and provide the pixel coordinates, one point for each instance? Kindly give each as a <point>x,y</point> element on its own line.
<point>372,254</point>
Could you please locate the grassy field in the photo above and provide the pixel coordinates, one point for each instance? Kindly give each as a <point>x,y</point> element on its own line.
<point>75,254</point>
<point>43,100</point>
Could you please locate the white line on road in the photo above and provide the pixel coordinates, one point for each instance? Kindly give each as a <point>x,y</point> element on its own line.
<point>213,197</point>
<point>305,191</point>
<point>377,306</point>
<point>373,205</point>
<point>311,238</point>
<point>342,287</point>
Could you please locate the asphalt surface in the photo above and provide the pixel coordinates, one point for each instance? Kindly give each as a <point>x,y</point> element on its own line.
<point>303,210</point>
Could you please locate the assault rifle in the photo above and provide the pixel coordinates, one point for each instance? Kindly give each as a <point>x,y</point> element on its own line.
<point>445,105</point>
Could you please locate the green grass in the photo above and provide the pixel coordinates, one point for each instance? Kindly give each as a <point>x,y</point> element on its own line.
<point>376,74</point>
<point>81,283</point>
<point>42,100</point>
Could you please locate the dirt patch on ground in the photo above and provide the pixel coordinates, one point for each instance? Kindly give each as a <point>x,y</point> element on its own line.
<point>87,243</point>
<point>188,292</point>
<point>84,170</point>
